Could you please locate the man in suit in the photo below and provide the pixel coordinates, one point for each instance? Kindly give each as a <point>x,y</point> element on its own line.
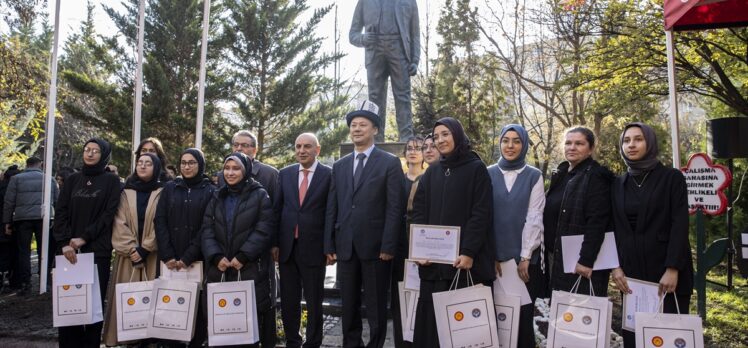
<point>300,203</point>
<point>389,32</point>
<point>365,210</point>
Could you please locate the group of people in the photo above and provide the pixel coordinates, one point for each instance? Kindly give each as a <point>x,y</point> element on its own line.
<point>357,213</point>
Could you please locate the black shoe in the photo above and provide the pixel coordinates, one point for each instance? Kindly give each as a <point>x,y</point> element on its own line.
<point>25,290</point>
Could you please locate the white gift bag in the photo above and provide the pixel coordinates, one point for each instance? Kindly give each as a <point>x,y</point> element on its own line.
<point>173,305</point>
<point>232,313</point>
<point>77,304</point>
<point>579,320</point>
<point>668,330</point>
<point>408,305</point>
<point>82,272</point>
<point>132,304</point>
<point>465,317</point>
<point>507,318</point>
<point>192,273</point>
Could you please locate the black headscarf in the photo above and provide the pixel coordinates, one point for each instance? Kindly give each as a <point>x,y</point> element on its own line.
<point>649,161</point>
<point>134,182</point>
<point>200,158</point>
<point>106,156</point>
<point>245,162</point>
<point>518,162</point>
<point>462,143</point>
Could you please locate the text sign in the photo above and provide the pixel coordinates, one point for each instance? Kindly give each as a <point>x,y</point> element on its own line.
<point>706,183</point>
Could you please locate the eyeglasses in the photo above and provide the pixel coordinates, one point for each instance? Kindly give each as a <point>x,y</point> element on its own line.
<point>147,150</point>
<point>243,145</point>
<point>428,147</point>
<point>412,149</point>
<point>188,163</point>
<point>91,151</point>
<point>145,164</point>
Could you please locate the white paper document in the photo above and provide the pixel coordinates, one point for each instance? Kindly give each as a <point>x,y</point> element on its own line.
<point>607,257</point>
<point>412,279</point>
<point>82,272</point>
<point>192,273</point>
<point>510,283</point>
<point>643,298</point>
<point>438,244</point>
<point>744,238</point>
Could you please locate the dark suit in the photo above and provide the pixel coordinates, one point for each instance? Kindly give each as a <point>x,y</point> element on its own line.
<point>362,222</point>
<point>302,261</point>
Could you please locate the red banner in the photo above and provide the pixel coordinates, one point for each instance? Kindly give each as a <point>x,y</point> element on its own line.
<point>705,14</point>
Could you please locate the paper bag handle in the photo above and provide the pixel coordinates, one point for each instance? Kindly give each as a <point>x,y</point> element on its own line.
<point>661,305</point>
<point>238,276</point>
<point>142,269</point>
<point>456,279</point>
<point>575,287</point>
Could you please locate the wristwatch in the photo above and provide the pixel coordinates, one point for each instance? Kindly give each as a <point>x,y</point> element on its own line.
<point>523,259</point>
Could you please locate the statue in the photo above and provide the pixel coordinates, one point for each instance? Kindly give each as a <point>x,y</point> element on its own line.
<point>388,31</point>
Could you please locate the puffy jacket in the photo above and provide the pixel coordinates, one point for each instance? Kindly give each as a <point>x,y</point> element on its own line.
<point>250,240</point>
<point>23,198</point>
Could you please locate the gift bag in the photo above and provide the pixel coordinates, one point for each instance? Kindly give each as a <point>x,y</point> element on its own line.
<point>192,273</point>
<point>133,304</point>
<point>507,318</point>
<point>173,305</point>
<point>408,304</point>
<point>232,313</point>
<point>465,317</point>
<point>77,304</point>
<point>579,320</point>
<point>668,330</point>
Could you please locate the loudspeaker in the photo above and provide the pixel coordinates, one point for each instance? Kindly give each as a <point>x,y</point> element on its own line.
<point>728,137</point>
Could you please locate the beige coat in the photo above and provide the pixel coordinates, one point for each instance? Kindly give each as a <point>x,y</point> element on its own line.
<point>124,241</point>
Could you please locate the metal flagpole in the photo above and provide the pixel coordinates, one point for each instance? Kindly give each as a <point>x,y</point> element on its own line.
<point>138,84</point>
<point>673,93</point>
<point>48,151</point>
<point>201,84</point>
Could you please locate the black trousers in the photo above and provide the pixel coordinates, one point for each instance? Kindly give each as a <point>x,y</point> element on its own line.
<point>374,275</point>
<point>87,336</point>
<point>536,286</point>
<point>23,230</point>
<point>629,337</point>
<point>297,277</point>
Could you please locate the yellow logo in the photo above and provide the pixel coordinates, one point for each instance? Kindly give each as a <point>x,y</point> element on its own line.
<point>66,287</point>
<point>221,303</point>
<point>657,341</point>
<point>568,317</point>
<point>130,301</point>
<point>166,299</point>
<point>459,316</point>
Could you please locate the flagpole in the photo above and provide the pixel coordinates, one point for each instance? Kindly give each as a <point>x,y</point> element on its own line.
<point>201,83</point>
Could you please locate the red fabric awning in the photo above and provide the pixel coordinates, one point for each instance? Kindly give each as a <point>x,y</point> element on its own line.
<point>705,14</point>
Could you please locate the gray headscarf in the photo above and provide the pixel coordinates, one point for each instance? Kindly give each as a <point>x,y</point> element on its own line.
<point>649,161</point>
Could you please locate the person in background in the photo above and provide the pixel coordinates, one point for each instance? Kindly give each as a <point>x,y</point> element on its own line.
<point>134,235</point>
<point>518,201</point>
<point>650,211</point>
<point>172,171</point>
<point>154,146</point>
<point>63,174</point>
<point>430,154</point>
<point>83,222</point>
<point>456,191</point>
<point>578,203</point>
<point>8,250</point>
<point>179,220</point>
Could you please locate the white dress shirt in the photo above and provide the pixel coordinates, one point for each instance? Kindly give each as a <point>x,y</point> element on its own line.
<point>366,152</point>
<point>309,176</point>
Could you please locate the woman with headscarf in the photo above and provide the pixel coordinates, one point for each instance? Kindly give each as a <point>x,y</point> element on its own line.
<point>134,235</point>
<point>650,211</point>
<point>518,202</point>
<point>456,191</point>
<point>83,222</point>
<point>237,230</point>
<point>179,218</point>
<point>578,203</point>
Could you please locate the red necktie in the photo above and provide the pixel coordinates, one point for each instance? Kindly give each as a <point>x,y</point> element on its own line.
<point>302,193</point>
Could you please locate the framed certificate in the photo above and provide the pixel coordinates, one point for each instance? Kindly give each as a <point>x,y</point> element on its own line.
<point>438,244</point>
<point>411,280</point>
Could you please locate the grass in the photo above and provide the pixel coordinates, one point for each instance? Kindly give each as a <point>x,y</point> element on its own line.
<point>727,311</point>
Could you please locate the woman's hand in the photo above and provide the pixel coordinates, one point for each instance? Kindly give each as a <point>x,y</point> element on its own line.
<point>523,270</point>
<point>497,266</point>
<point>584,271</point>
<point>77,243</point>
<point>224,264</point>
<point>620,279</point>
<point>69,254</point>
<point>236,264</point>
<point>668,282</point>
<point>135,256</point>
<point>464,262</point>
<point>171,264</point>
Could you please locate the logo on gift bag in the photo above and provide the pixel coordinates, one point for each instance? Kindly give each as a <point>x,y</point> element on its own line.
<point>423,231</point>
<point>657,341</point>
<point>66,287</point>
<point>166,299</point>
<point>146,299</point>
<point>586,320</point>
<point>237,302</point>
<point>476,312</point>
<point>447,232</point>
<point>568,317</point>
<point>221,303</point>
<point>680,343</point>
<point>131,301</point>
<point>78,286</point>
<point>180,300</point>
<point>501,317</point>
<point>459,316</point>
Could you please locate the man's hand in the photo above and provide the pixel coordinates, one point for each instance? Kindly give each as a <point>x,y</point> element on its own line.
<point>69,254</point>
<point>331,259</point>
<point>224,264</point>
<point>369,39</point>
<point>464,262</point>
<point>522,270</point>
<point>8,230</point>
<point>668,282</point>
<point>236,264</point>
<point>497,266</point>
<point>584,271</point>
<point>412,69</point>
<point>620,279</point>
<point>385,257</point>
<point>274,252</point>
<point>171,264</point>
<point>77,243</point>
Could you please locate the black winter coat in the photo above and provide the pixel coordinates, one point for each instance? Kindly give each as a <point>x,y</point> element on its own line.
<point>585,210</point>
<point>179,219</point>
<point>463,198</point>
<point>250,239</point>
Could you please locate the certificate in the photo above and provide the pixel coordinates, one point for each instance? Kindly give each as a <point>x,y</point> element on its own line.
<point>643,298</point>
<point>607,257</point>
<point>412,280</point>
<point>439,244</point>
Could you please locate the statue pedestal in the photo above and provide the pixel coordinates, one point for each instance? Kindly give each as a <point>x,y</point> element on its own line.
<point>395,148</point>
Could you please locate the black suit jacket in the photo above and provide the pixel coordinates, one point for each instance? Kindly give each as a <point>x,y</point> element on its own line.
<point>310,216</point>
<point>370,215</point>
